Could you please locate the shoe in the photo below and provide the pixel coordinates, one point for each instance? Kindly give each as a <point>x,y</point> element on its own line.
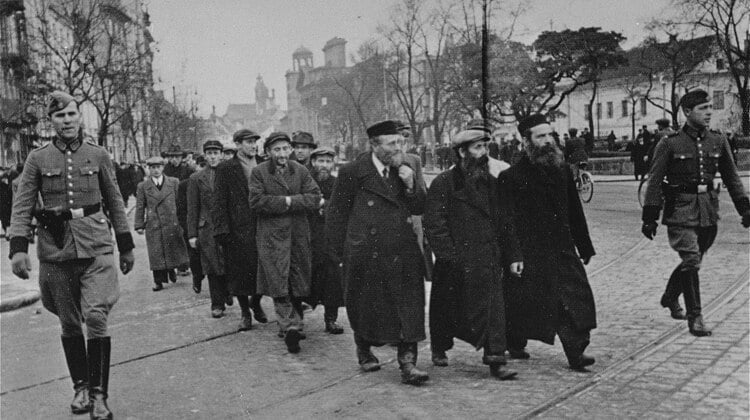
<point>172,276</point>
<point>258,314</point>
<point>439,358</point>
<point>580,363</point>
<point>519,354</point>
<point>367,361</point>
<point>217,313</point>
<point>697,328</point>
<point>333,328</point>
<point>157,287</point>
<point>498,372</point>
<point>410,375</point>
<point>291,339</point>
<point>246,323</point>
<point>81,401</point>
<point>229,300</point>
<point>197,289</point>
<point>675,310</point>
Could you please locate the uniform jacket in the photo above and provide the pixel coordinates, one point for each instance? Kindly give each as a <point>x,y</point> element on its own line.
<point>201,198</point>
<point>368,224</point>
<point>551,226</point>
<point>156,212</point>
<point>689,158</point>
<point>471,232</point>
<point>234,226</point>
<point>283,234</point>
<point>70,177</point>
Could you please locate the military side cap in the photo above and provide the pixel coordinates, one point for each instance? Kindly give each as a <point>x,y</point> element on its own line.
<point>479,124</point>
<point>155,160</point>
<point>276,137</point>
<point>303,137</point>
<point>468,136</point>
<point>212,145</point>
<point>244,134</point>
<point>693,98</point>
<point>58,100</point>
<point>174,150</point>
<point>530,122</point>
<point>322,151</point>
<point>383,128</point>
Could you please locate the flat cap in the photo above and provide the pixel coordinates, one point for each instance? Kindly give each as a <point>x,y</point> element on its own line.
<point>229,146</point>
<point>276,136</point>
<point>530,122</point>
<point>468,136</point>
<point>155,160</point>
<point>213,144</point>
<point>174,150</point>
<point>245,134</point>
<point>58,100</point>
<point>693,98</point>
<point>322,151</point>
<point>479,124</point>
<point>303,137</point>
<point>383,128</point>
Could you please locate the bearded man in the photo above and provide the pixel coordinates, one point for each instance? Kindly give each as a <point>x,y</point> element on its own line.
<point>472,235</point>
<point>553,296</point>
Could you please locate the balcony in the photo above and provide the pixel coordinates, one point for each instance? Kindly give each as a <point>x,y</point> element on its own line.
<point>8,7</point>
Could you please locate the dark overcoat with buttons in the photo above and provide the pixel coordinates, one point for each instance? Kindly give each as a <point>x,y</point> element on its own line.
<point>471,233</point>
<point>326,277</point>
<point>686,159</point>
<point>368,224</point>
<point>551,227</point>
<point>201,198</point>
<point>156,212</point>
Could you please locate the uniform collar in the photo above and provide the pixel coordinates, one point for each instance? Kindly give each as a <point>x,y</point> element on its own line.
<point>692,132</point>
<point>64,145</point>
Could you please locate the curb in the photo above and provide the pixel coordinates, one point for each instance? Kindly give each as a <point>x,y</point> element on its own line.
<point>24,299</point>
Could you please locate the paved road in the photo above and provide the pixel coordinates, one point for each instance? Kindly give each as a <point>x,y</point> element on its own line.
<point>171,360</point>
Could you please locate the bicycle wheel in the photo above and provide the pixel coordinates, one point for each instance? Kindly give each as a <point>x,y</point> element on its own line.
<point>642,191</point>
<point>586,191</point>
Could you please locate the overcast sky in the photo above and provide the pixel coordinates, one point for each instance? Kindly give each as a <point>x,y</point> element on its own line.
<point>218,47</point>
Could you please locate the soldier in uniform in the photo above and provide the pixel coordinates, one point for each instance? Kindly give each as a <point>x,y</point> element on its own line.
<point>77,275</point>
<point>303,145</point>
<point>689,160</point>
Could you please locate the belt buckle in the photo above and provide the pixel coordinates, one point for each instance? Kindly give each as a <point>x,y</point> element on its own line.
<point>702,188</point>
<point>76,213</point>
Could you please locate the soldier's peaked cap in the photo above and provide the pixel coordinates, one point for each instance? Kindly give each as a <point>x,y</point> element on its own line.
<point>530,122</point>
<point>58,100</point>
<point>693,98</point>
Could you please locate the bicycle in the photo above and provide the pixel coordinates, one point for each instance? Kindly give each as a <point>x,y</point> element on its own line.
<point>584,182</point>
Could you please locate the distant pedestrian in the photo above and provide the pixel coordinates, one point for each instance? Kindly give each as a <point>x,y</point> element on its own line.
<point>6,199</point>
<point>553,296</point>
<point>156,215</point>
<point>282,194</point>
<point>689,160</point>
<point>639,157</point>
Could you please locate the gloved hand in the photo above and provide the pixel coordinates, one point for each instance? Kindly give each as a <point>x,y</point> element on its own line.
<point>127,260</point>
<point>649,229</point>
<point>21,265</point>
<point>746,219</point>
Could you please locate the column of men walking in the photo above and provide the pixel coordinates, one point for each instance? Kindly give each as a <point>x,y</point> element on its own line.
<point>509,243</point>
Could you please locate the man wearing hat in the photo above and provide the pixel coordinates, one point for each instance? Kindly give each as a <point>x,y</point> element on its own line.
<point>368,225</point>
<point>303,145</point>
<point>326,279</point>
<point>471,232</point>
<point>201,198</point>
<point>663,130</point>
<point>156,215</point>
<point>234,225</point>
<point>552,296</point>
<point>689,160</point>
<point>77,274</point>
<point>176,167</point>
<point>282,194</point>
<point>229,152</point>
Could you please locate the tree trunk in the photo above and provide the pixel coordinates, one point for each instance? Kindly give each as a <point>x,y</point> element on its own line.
<point>632,117</point>
<point>591,108</point>
<point>745,117</point>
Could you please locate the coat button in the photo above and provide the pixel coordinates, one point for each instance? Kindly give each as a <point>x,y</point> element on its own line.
<point>370,203</point>
<point>373,231</point>
<point>70,192</point>
<point>374,255</point>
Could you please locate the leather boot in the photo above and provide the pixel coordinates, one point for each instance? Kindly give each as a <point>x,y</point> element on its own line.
<point>670,298</point>
<point>367,361</point>
<point>99,350</point>
<point>496,363</point>
<point>576,359</point>
<point>75,356</point>
<point>691,289</point>
<point>407,360</point>
<point>439,358</point>
<point>330,315</point>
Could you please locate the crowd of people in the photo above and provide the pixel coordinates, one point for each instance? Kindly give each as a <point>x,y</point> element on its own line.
<point>505,244</point>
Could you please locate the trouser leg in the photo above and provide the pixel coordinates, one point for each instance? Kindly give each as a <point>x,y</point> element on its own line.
<point>216,290</point>
<point>160,276</point>
<point>286,314</point>
<point>61,295</point>
<point>244,303</point>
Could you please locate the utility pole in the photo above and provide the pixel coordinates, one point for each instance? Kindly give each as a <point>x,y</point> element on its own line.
<point>485,60</point>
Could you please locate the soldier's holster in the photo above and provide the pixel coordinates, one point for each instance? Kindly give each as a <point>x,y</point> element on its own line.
<point>55,220</point>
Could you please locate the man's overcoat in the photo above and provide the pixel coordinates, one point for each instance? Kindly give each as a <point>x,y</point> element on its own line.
<point>368,224</point>
<point>283,233</point>
<point>156,212</point>
<point>471,232</point>
<point>326,277</point>
<point>551,225</point>
<point>200,200</point>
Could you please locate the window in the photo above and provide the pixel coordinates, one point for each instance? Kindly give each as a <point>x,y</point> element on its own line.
<point>598,110</point>
<point>718,99</point>
<point>643,106</point>
<point>719,64</point>
<point>625,108</point>
<point>610,110</point>
<point>587,112</point>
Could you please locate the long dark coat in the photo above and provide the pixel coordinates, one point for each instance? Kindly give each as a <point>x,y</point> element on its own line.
<point>156,212</point>
<point>368,227</point>
<point>283,234</point>
<point>235,221</point>
<point>551,225</point>
<point>327,287</point>
<point>200,199</point>
<point>471,233</point>
<point>638,155</point>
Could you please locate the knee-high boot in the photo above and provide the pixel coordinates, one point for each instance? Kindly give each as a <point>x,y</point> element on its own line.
<point>691,289</point>
<point>75,356</point>
<point>671,295</point>
<point>99,350</point>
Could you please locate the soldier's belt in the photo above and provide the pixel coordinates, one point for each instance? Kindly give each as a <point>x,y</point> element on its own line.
<point>690,189</point>
<point>62,215</point>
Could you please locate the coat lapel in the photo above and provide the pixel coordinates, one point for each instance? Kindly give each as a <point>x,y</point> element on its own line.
<point>370,180</point>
